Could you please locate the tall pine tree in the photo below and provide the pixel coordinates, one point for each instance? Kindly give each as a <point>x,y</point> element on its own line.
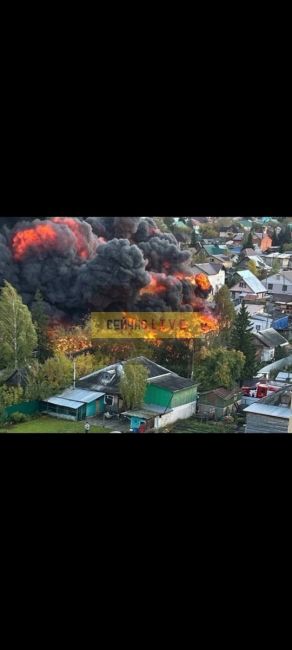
<point>41,323</point>
<point>242,340</point>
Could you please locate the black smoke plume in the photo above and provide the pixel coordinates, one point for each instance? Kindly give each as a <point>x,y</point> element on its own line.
<point>96,263</point>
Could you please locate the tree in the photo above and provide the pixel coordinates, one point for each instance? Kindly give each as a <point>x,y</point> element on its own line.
<point>242,340</point>
<point>219,367</point>
<point>194,239</point>
<point>224,308</point>
<point>56,373</point>
<point>41,323</point>
<point>133,384</point>
<point>17,332</point>
<point>252,267</point>
<point>85,365</point>
<point>276,266</point>
<point>248,242</point>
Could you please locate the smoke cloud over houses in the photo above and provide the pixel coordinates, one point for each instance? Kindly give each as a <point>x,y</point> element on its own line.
<point>99,263</point>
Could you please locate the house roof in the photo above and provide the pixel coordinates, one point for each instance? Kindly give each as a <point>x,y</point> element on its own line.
<point>252,282</point>
<point>173,382</point>
<point>269,409</point>
<point>222,393</point>
<point>108,379</point>
<point>208,268</point>
<point>80,395</point>
<point>247,252</point>
<point>270,338</point>
<point>147,411</point>
<point>59,401</point>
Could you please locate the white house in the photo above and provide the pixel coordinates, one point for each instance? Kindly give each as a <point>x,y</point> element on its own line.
<point>280,284</point>
<point>284,259</point>
<point>248,286</point>
<point>266,342</point>
<point>215,274</point>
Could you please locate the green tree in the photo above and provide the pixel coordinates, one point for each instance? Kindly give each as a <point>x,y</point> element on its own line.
<point>224,308</point>
<point>41,323</point>
<point>133,384</point>
<point>17,332</point>
<point>242,340</point>
<point>219,367</point>
<point>8,397</point>
<point>248,242</point>
<point>56,373</point>
<point>252,267</point>
<point>194,239</point>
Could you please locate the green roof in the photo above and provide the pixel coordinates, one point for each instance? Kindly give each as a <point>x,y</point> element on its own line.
<point>216,250</point>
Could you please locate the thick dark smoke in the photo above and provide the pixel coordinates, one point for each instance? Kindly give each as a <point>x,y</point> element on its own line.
<point>96,263</point>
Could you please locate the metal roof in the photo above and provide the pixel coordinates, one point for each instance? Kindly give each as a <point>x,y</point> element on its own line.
<point>269,409</point>
<point>58,401</point>
<point>80,395</point>
<point>209,269</point>
<point>270,338</point>
<point>252,282</point>
<point>173,383</point>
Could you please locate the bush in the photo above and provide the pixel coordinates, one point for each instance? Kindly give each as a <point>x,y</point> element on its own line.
<point>18,418</point>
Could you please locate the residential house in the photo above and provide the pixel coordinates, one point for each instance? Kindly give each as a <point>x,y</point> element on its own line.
<point>247,257</point>
<point>284,260</point>
<point>216,249</point>
<point>258,319</point>
<point>260,239</point>
<point>279,286</point>
<point>215,274</point>
<point>271,414</point>
<point>219,402</point>
<point>267,341</point>
<point>248,286</point>
<point>168,396</point>
<point>224,260</point>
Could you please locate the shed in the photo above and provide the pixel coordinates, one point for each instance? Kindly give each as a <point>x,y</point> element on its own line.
<point>74,404</point>
<point>219,402</point>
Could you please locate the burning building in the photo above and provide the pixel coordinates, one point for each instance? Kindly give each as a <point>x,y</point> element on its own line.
<point>90,264</point>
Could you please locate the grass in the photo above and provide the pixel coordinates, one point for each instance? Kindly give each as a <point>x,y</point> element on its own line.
<point>194,425</point>
<point>45,424</point>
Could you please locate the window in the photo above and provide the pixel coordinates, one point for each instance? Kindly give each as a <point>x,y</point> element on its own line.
<point>242,284</point>
<point>284,287</point>
<point>270,286</point>
<point>258,327</point>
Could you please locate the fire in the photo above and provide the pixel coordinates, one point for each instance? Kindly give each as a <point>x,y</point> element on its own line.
<point>155,285</point>
<point>68,341</point>
<point>33,238</point>
<point>199,280</point>
<point>202,282</point>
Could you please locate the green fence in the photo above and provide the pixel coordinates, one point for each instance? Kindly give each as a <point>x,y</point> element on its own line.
<point>28,408</point>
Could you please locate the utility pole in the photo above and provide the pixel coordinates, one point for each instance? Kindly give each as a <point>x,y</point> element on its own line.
<point>74,376</point>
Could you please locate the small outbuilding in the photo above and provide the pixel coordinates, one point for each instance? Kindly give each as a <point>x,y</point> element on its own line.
<point>74,404</point>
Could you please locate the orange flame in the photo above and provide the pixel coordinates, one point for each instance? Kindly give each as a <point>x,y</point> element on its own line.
<point>155,285</point>
<point>32,238</point>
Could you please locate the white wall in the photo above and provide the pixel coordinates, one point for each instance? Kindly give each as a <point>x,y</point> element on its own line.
<point>217,281</point>
<point>179,413</point>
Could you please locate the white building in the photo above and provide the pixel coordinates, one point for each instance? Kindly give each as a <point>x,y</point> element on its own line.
<point>280,284</point>
<point>248,285</point>
<point>215,274</point>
